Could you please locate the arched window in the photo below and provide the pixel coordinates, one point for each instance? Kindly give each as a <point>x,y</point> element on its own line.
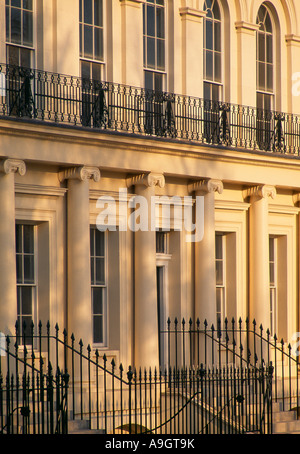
<point>264,75</point>
<point>212,53</point>
<point>212,66</point>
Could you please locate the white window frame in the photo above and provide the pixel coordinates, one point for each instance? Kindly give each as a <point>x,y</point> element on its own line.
<point>156,70</point>
<point>91,60</point>
<point>32,48</point>
<point>273,286</point>
<point>221,287</point>
<point>219,84</point>
<point>104,287</point>
<point>33,285</point>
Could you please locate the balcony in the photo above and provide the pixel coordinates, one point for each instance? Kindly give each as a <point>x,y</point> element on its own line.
<point>67,100</point>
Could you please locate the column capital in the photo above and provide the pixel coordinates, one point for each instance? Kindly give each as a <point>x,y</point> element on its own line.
<point>147,179</point>
<point>13,166</point>
<point>206,186</point>
<point>262,191</point>
<point>80,173</point>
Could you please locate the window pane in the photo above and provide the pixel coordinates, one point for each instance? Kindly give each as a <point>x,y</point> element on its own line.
<point>97,301</point>
<point>271,249</point>
<point>92,271</point>
<point>28,269</point>
<point>267,102</point>
<point>85,72</point>
<point>209,65</point>
<point>98,329</point>
<point>207,91</point>
<point>25,57</point>
<point>219,272</point>
<point>219,248</point>
<point>261,76</point>
<point>160,54</point>
<point>259,101</point>
<point>150,20</point>
<point>88,12</point>
<point>272,274</point>
<point>98,18</point>
<point>217,77</point>
<point>99,240</point>
<point>268,23</point>
<point>7,23</point>
<point>215,93</point>
<point>16,3</point>
<point>149,80</point>
<point>216,11</point>
<point>217,37</point>
<point>219,300</point>
<point>28,239</point>
<point>27,28</point>
<point>209,35</point>
<point>100,271</point>
<point>88,41</point>
<point>269,77</point>
<point>261,47</point>
<point>158,81</point>
<point>269,56</point>
<point>27,4</point>
<point>160,23</point>
<point>26,296</point>
<point>96,71</point>
<point>16,25</point>
<point>19,268</point>
<point>80,40</point>
<point>151,52</point>
<point>98,44</point>
<point>18,238</point>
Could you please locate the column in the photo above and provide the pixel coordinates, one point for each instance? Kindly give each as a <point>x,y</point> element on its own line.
<point>2,33</point>
<point>132,42</point>
<point>192,49</point>
<point>292,75</point>
<point>78,231</point>
<point>246,50</point>
<point>8,301</point>
<point>205,268</point>
<point>259,282</point>
<point>146,352</point>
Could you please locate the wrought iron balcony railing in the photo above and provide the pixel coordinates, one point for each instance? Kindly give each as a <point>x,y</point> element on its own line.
<point>63,99</point>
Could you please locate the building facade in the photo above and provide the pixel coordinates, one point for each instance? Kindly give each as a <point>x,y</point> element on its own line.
<point>149,167</point>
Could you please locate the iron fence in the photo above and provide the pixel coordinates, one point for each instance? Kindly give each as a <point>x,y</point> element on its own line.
<point>234,343</point>
<point>48,379</point>
<point>64,99</point>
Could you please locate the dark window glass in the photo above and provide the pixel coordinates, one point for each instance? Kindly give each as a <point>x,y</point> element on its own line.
<point>88,12</point>
<point>27,28</point>
<point>88,41</point>
<point>15,26</point>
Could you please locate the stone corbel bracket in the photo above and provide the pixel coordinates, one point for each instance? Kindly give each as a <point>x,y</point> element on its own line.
<point>206,186</point>
<point>147,179</point>
<point>80,173</point>
<point>261,191</point>
<point>296,198</point>
<point>13,166</point>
